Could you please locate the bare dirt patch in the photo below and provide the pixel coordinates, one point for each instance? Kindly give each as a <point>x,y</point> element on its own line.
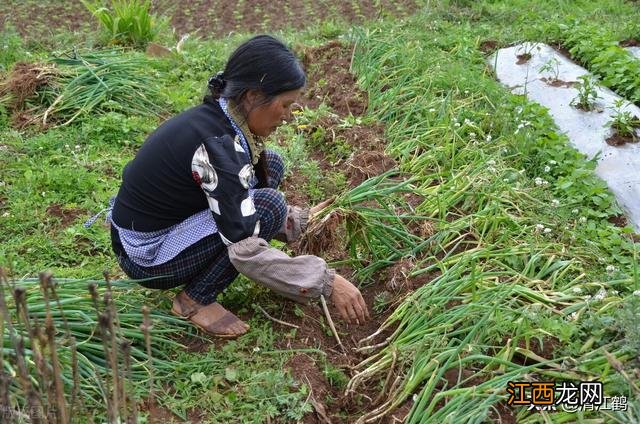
<point>67,216</point>
<point>353,149</point>
<point>314,333</point>
<point>555,82</point>
<point>619,221</point>
<point>616,139</point>
<point>488,46</point>
<point>41,21</point>
<point>630,42</point>
<point>330,80</point>
<point>366,164</point>
<point>523,58</point>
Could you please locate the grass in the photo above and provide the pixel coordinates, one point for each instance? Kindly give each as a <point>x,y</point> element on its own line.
<point>521,255</point>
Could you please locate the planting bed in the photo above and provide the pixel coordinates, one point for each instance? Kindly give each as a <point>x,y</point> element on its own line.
<point>332,83</point>
<point>556,88</point>
<point>204,18</point>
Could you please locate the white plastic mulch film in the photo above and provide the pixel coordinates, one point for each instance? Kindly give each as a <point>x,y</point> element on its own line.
<point>634,51</point>
<point>619,166</point>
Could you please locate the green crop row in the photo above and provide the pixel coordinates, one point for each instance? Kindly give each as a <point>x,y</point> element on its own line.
<point>601,54</point>
<point>522,252</point>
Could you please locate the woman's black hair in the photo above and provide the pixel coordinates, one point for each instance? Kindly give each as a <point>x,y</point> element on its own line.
<point>261,63</point>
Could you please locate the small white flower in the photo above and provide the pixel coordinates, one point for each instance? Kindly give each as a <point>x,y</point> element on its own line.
<point>472,135</point>
<point>553,162</point>
<point>492,169</point>
<point>602,293</point>
<point>491,162</point>
<point>66,146</point>
<point>587,297</point>
<point>467,121</point>
<point>256,349</point>
<point>575,211</point>
<point>44,193</point>
<point>547,168</point>
<point>573,316</point>
<point>2,183</point>
<point>582,219</point>
<point>555,203</point>
<point>636,292</point>
<point>545,183</point>
<point>505,180</point>
<point>456,124</point>
<point>432,110</point>
<point>77,147</point>
<point>610,268</point>
<point>577,290</point>
<point>614,292</point>
<point>6,215</point>
<point>539,227</point>
<point>547,230</point>
<point>488,137</point>
<point>466,91</point>
<point>538,181</point>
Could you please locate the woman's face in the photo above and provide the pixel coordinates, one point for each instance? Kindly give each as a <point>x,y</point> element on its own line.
<point>263,119</point>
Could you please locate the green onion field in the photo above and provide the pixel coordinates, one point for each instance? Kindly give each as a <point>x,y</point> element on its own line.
<point>501,273</point>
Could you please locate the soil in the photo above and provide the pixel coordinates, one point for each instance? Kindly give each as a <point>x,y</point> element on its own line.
<point>331,82</point>
<point>67,216</point>
<point>330,79</point>
<point>523,58</point>
<point>617,139</point>
<point>366,164</point>
<point>314,333</point>
<point>619,221</point>
<point>555,82</point>
<point>630,42</point>
<point>489,46</point>
<point>562,50</point>
<point>40,21</point>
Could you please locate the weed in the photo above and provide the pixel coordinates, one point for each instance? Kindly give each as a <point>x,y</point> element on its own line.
<point>552,66</point>
<point>128,22</point>
<point>587,93</point>
<point>622,121</point>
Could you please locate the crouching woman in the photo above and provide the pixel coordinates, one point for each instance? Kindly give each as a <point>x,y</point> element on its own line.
<point>199,202</point>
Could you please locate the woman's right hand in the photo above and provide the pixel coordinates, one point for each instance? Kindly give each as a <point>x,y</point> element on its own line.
<point>348,300</point>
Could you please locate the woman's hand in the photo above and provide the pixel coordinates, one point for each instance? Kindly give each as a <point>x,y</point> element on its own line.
<point>349,301</point>
<point>319,207</point>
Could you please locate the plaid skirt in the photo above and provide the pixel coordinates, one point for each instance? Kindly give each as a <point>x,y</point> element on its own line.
<point>204,268</point>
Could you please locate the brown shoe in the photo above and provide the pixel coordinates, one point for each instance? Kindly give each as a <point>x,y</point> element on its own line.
<point>213,319</point>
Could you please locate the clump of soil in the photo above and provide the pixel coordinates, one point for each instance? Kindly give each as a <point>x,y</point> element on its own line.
<point>22,84</point>
<point>619,221</point>
<point>488,46</point>
<point>25,79</point>
<point>330,80</point>
<point>630,42</point>
<point>366,164</point>
<point>616,139</point>
<point>326,237</point>
<point>523,58</point>
<point>67,216</point>
<point>555,82</point>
